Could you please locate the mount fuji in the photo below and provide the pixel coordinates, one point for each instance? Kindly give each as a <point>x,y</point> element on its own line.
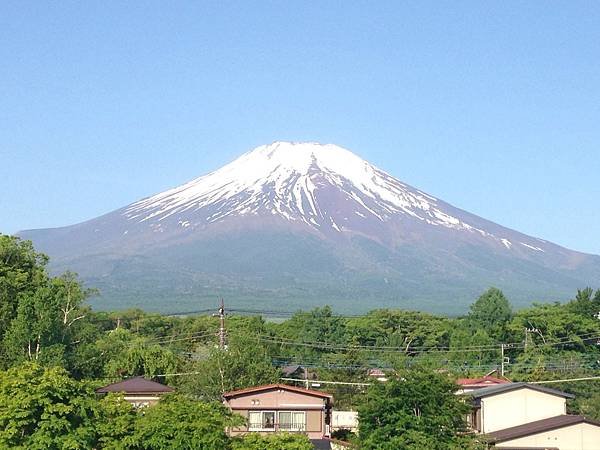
<point>295,225</point>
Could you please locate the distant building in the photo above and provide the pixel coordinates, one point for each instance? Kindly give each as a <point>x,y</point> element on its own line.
<point>300,374</point>
<point>377,374</point>
<point>344,420</point>
<point>138,391</point>
<point>471,384</point>
<point>295,371</point>
<point>279,407</point>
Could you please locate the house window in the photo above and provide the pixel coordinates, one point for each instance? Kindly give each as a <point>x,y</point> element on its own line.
<point>261,421</point>
<point>292,420</point>
<point>287,421</point>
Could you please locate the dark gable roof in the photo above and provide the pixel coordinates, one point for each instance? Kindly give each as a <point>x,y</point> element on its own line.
<point>321,444</point>
<point>499,389</point>
<point>268,387</point>
<point>289,370</point>
<point>137,385</point>
<point>539,426</point>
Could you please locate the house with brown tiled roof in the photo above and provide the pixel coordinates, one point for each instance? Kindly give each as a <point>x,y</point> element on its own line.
<point>279,407</point>
<point>470,384</point>
<point>138,391</point>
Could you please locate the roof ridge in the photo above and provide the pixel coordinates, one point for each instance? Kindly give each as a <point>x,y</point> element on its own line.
<point>507,387</point>
<point>136,384</point>
<point>265,387</point>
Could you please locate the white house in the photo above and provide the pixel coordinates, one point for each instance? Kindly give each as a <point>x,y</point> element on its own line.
<point>561,432</point>
<point>513,404</point>
<point>528,416</point>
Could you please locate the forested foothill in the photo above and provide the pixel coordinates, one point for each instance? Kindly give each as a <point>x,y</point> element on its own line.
<point>55,350</point>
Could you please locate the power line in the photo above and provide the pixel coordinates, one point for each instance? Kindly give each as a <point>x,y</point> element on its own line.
<point>403,349</point>
<point>187,338</point>
<point>347,383</point>
<point>566,380</point>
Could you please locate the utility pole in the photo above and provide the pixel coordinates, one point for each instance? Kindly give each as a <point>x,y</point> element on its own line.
<point>222,325</point>
<point>528,332</point>
<point>505,359</point>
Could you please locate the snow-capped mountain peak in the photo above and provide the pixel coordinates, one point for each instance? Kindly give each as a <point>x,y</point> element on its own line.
<point>284,178</point>
<point>310,222</point>
<point>322,186</point>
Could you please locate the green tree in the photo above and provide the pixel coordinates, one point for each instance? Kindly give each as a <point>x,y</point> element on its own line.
<point>402,329</point>
<point>47,321</point>
<point>141,358</point>
<point>240,366</point>
<point>122,353</point>
<point>586,303</point>
<point>278,441</point>
<point>587,398</point>
<point>553,327</point>
<point>114,422</point>
<point>415,411</point>
<point>183,423</point>
<point>43,408</point>
<point>22,271</point>
<point>319,325</point>
<point>491,312</point>
<point>481,353</point>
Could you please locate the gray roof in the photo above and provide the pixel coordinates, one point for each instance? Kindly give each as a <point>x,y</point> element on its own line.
<point>321,444</point>
<point>136,385</point>
<point>289,370</point>
<point>501,388</point>
<point>539,426</point>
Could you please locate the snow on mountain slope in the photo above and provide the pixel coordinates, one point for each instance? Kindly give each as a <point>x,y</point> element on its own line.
<point>285,179</point>
<point>325,187</point>
<point>308,222</point>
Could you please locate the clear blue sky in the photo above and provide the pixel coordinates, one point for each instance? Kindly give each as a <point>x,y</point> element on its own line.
<point>491,106</point>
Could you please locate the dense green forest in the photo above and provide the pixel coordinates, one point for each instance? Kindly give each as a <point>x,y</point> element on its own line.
<point>54,350</point>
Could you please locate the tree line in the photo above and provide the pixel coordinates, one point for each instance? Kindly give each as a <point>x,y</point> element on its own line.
<point>50,335</point>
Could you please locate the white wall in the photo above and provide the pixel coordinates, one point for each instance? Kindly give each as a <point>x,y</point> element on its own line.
<point>344,419</point>
<point>518,407</point>
<point>581,436</point>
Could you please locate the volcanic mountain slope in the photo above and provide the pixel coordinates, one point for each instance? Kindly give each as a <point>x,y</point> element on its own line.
<point>292,225</point>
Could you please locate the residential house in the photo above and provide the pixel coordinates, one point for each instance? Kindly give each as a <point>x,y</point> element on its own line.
<point>529,416</point>
<point>471,384</point>
<point>279,407</point>
<point>297,372</point>
<point>138,391</point>
<point>512,404</point>
<point>300,374</point>
<point>377,374</point>
<point>561,433</point>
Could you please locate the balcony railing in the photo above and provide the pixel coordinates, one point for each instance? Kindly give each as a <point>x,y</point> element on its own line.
<point>289,427</point>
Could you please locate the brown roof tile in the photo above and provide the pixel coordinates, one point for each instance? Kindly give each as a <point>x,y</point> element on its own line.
<point>137,385</point>
<point>539,426</point>
<point>482,381</point>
